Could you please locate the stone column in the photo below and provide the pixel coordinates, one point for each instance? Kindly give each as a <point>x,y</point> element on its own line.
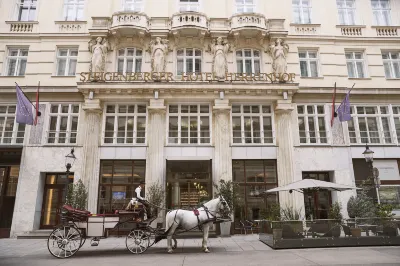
<point>284,141</point>
<point>91,143</point>
<point>222,151</point>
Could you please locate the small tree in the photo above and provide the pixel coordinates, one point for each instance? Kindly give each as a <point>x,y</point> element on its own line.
<point>335,212</point>
<point>77,195</point>
<point>230,192</point>
<point>155,195</point>
<point>362,205</point>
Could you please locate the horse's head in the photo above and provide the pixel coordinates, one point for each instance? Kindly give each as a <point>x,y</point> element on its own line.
<point>224,209</point>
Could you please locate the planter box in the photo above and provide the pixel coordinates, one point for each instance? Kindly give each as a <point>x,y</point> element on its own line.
<point>356,232</point>
<point>225,228</point>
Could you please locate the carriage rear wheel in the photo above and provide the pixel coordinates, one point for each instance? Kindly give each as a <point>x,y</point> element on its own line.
<point>137,241</point>
<point>64,242</point>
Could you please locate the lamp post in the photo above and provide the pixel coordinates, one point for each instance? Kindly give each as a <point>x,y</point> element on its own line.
<point>369,158</point>
<point>70,160</point>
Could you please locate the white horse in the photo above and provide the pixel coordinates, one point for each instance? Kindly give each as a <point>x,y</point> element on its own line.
<point>188,220</point>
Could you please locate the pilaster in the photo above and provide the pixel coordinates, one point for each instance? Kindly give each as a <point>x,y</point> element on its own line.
<point>91,159</point>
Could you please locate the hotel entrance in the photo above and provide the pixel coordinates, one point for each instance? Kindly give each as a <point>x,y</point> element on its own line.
<point>189,184</point>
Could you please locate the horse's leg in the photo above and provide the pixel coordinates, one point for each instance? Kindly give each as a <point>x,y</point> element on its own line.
<point>169,237</point>
<point>206,229</point>
<point>175,245</point>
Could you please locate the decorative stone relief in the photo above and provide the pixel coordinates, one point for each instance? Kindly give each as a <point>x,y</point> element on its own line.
<point>99,49</point>
<point>37,131</point>
<point>219,48</point>
<point>159,49</point>
<point>278,51</point>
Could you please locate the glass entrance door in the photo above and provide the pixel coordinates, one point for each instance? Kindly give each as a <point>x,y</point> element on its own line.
<point>318,202</point>
<point>8,190</point>
<point>55,192</point>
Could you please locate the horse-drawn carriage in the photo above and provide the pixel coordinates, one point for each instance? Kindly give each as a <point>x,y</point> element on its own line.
<point>78,225</point>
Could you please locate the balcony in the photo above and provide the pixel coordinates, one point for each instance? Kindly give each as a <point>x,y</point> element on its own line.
<point>248,24</point>
<point>386,31</point>
<point>189,23</point>
<point>351,30</point>
<point>129,23</point>
<point>23,26</point>
<point>304,29</point>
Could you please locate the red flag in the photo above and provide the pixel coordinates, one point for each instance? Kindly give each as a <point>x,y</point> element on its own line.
<point>333,105</point>
<point>37,104</point>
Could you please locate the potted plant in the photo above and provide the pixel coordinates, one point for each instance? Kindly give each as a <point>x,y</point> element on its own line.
<point>77,195</point>
<point>335,214</point>
<point>274,216</point>
<point>385,213</point>
<point>292,217</point>
<point>230,192</point>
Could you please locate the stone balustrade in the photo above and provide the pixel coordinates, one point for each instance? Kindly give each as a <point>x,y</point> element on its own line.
<point>130,19</point>
<point>346,30</point>
<point>306,29</point>
<point>248,20</point>
<point>192,19</point>
<point>387,31</point>
<point>22,26</point>
<point>71,26</point>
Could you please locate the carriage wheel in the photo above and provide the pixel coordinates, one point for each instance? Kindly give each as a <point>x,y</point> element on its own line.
<point>64,242</point>
<point>137,241</point>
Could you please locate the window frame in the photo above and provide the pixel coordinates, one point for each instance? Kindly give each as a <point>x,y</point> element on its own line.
<point>18,59</point>
<point>357,133</point>
<point>346,11</point>
<point>261,116</point>
<point>31,6</point>
<point>245,6</point>
<point>308,59</point>
<point>68,132</point>
<point>76,7</point>
<point>187,4</point>
<point>315,117</point>
<point>134,3</point>
<point>301,8</point>
<point>380,10</point>
<point>395,117</point>
<point>115,131</point>
<point>243,58</point>
<point>16,127</point>
<point>390,63</point>
<point>125,57</point>
<point>185,58</point>
<point>198,114</point>
<point>354,61</point>
<point>68,58</point>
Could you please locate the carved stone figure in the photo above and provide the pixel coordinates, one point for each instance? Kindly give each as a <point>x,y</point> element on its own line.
<point>99,49</point>
<point>159,50</point>
<point>219,49</point>
<point>278,52</point>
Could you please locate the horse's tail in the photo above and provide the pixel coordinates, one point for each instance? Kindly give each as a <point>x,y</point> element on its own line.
<point>168,226</point>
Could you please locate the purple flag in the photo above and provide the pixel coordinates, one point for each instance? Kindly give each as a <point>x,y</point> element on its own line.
<point>344,109</point>
<point>24,109</point>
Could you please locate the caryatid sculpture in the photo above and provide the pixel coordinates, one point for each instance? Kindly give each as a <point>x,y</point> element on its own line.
<point>278,52</point>
<point>219,48</point>
<point>159,49</point>
<point>99,49</point>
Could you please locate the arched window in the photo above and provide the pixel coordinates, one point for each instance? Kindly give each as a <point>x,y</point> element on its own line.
<point>188,61</point>
<point>129,60</point>
<point>248,61</point>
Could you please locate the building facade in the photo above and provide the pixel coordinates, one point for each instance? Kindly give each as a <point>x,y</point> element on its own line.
<point>185,93</point>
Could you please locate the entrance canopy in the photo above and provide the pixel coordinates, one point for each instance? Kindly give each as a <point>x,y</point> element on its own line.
<point>311,184</point>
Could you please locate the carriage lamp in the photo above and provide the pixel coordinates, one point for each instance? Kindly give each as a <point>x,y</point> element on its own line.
<point>70,160</point>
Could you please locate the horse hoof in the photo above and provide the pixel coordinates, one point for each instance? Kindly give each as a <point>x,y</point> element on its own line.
<point>206,251</point>
<point>174,247</point>
<point>170,251</point>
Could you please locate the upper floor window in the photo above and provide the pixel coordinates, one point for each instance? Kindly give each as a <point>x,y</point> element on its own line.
<point>252,124</point>
<point>189,124</point>
<point>16,61</point>
<point>391,63</point>
<point>302,11</point>
<point>10,131</point>
<point>125,124</point>
<point>189,5</point>
<point>308,63</point>
<point>66,61</point>
<point>73,9</point>
<point>63,126</point>
<point>355,64</point>
<point>245,6</point>
<point>370,124</point>
<point>396,114</point>
<point>188,61</point>
<point>248,61</point>
<point>347,12</point>
<point>132,5</point>
<point>381,11</point>
<point>26,10</point>
<point>312,124</point>
<point>129,60</point>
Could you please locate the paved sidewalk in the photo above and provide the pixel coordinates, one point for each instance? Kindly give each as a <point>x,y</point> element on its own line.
<point>232,251</point>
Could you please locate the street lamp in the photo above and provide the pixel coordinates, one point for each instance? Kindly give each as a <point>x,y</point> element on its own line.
<point>69,160</point>
<point>369,158</point>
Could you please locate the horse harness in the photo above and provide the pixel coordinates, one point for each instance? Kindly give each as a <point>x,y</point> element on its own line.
<point>197,214</point>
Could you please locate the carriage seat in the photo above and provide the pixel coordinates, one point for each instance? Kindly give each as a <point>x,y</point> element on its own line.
<point>76,211</point>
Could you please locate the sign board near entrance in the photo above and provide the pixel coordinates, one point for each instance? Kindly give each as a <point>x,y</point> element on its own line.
<point>186,77</point>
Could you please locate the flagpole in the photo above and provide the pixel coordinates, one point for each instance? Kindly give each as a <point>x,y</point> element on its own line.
<point>25,95</point>
<point>37,104</point>
<point>333,105</point>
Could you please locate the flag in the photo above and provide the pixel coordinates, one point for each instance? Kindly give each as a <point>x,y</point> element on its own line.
<point>333,105</point>
<point>24,113</point>
<point>37,105</point>
<point>344,109</point>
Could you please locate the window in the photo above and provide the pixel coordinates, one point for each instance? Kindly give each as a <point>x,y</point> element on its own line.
<point>189,124</point>
<point>129,60</point>
<point>73,9</point>
<point>188,5</point>
<point>355,64</point>
<point>16,61</point>
<point>302,11</point>
<point>390,195</point>
<point>245,6</point>
<point>308,64</point>
<point>10,131</point>
<point>248,61</point>
<point>26,10</point>
<point>347,12</point>
<point>125,124</point>
<point>132,5</point>
<point>312,125</point>
<point>396,114</point>
<point>391,63</point>
<point>254,177</point>
<point>370,124</point>
<point>63,126</point>
<point>189,61</point>
<point>252,124</point>
<point>66,61</point>
<point>118,181</point>
<point>381,12</point>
